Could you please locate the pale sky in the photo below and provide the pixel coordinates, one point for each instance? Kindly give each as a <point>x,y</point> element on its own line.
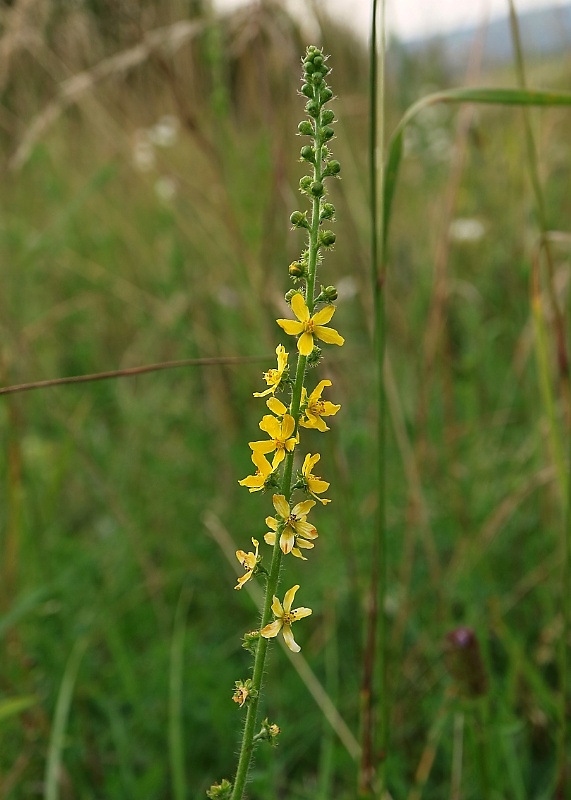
<point>412,18</point>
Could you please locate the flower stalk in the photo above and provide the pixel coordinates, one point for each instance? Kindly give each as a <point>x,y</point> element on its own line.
<point>290,530</point>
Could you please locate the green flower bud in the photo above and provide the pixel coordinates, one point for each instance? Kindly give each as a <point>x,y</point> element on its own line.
<point>299,219</point>
<point>297,270</point>
<point>329,294</point>
<point>312,107</point>
<point>318,60</point>
<point>290,294</point>
<point>326,239</point>
<point>307,90</point>
<point>332,168</point>
<point>305,184</point>
<point>316,188</point>
<point>327,116</point>
<point>308,67</point>
<point>305,128</point>
<point>327,211</point>
<point>317,78</point>
<point>327,133</point>
<point>325,95</point>
<point>307,153</point>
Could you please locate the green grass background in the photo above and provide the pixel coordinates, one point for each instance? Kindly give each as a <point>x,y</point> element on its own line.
<point>111,491</point>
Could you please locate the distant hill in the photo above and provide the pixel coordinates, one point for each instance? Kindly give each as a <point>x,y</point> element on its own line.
<point>543,32</point>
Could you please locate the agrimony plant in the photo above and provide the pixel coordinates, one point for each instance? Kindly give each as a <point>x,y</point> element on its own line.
<point>295,488</point>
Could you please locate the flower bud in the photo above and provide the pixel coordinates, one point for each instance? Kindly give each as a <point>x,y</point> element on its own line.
<point>312,107</point>
<point>317,60</point>
<point>327,211</point>
<point>327,116</point>
<point>329,294</point>
<point>305,184</point>
<point>305,128</point>
<point>325,95</point>
<point>297,270</point>
<point>290,294</point>
<point>307,90</point>
<point>327,133</point>
<point>333,168</point>
<point>316,188</point>
<point>299,219</point>
<point>307,153</point>
<point>317,78</point>
<point>326,239</point>
<point>308,67</point>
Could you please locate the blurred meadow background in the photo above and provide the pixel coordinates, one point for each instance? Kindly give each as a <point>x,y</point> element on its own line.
<point>149,167</point>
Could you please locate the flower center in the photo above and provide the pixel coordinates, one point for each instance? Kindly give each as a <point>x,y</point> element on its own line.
<point>308,325</point>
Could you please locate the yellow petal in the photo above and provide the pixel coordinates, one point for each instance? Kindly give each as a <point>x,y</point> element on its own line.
<point>316,393</point>
<point>329,409</point>
<point>309,462</point>
<point>290,326</point>
<point>270,538</point>
<point>304,544</point>
<point>261,463</point>
<point>299,307</point>
<point>305,343</point>
<point>305,529</point>
<point>282,357</point>
<point>276,406</point>
<point>328,335</point>
<point>253,482</point>
<point>317,485</point>
<point>291,443</point>
<point>265,446</point>
<point>272,523</point>
<point>288,427</point>
<point>324,316</point>
<point>277,607</point>
<point>287,540</point>
<point>300,613</point>
<point>278,458</point>
<point>263,394</point>
<point>281,505</point>
<point>271,426</point>
<point>298,554</point>
<point>288,598</point>
<point>289,640</point>
<point>272,629</point>
<point>303,508</point>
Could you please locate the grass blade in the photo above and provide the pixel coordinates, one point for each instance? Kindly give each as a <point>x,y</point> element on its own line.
<point>57,737</point>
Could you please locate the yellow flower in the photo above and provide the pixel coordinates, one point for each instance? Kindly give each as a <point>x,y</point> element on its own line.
<point>296,531</point>
<point>281,439</point>
<point>315,408</point>
<point>313,484</point>
<point>274,377</point>
<point>309,326</point>
<point>264,470</point>
<point>284,619</point>
<point>249,561</point>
